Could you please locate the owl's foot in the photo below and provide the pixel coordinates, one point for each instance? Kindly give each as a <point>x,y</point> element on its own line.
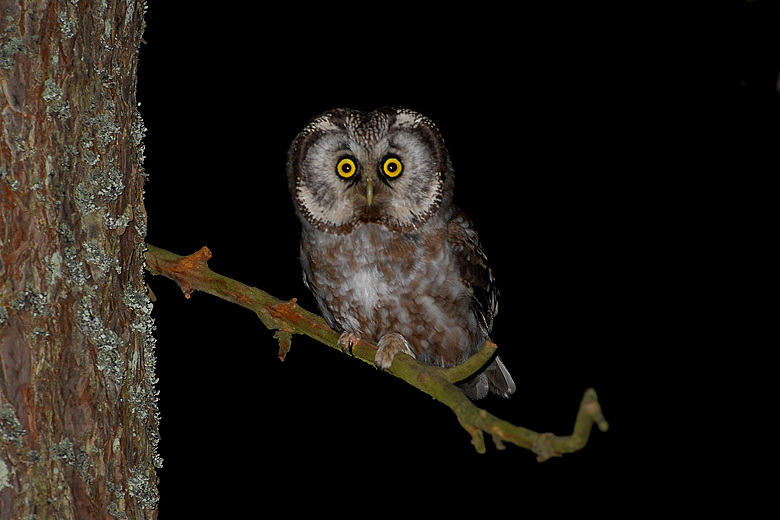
<point>390,345</point>
<point>346,341</point>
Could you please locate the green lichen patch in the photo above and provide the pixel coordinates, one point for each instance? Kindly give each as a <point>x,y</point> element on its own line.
<point>63,451</point>
<point>109,360</point>
<point>8,51</point>
<point>52,95</point>
<point>139,486</point>
<point>10,428</point>
<point>99,259</point>
<point>33,301</point>
<point>101,187</point>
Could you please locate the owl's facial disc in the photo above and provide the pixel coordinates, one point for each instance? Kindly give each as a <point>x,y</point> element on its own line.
<point>387,167</point>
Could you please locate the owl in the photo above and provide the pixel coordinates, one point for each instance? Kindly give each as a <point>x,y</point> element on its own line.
<point>386,254</point>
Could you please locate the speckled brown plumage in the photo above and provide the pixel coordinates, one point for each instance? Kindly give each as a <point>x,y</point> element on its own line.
<point>385,253</point>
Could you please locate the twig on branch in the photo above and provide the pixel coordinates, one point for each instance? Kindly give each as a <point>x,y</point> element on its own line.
<point>287,318</point>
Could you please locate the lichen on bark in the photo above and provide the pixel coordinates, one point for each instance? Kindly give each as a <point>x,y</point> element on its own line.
<point>78,405</point>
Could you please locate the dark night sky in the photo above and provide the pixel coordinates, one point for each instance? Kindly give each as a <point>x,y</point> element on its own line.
<point>563,129</point>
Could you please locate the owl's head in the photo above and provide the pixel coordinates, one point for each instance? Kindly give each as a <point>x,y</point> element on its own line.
<point>389,167</point>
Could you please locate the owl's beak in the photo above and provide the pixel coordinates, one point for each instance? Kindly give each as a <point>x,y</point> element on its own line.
<point>369,192</point>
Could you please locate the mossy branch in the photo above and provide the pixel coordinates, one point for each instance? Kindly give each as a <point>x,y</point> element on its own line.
<point>287,318</point>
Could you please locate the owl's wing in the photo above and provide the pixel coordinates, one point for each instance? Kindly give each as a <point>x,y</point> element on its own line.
<point>475,273</point>
<point>474,269</point>
<point>309,283</point>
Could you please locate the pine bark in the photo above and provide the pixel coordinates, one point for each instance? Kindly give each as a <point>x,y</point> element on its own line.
<point>78,405</point>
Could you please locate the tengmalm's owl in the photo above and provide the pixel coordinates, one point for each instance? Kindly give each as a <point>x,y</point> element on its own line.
<point>384,251</point>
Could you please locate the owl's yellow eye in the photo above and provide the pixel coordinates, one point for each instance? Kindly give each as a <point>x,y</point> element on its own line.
<point>392,167</point>
<point>346,168</point>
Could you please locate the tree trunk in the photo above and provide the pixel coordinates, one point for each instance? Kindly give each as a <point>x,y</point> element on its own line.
<point>78,406</point>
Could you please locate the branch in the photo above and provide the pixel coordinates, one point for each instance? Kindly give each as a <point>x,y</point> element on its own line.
<point>287,318</point>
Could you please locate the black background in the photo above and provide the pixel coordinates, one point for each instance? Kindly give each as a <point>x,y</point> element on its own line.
<point>576,138</point>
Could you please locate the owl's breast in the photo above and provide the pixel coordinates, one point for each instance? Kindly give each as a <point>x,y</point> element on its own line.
<point>374,281</point>
<point>361,273</point>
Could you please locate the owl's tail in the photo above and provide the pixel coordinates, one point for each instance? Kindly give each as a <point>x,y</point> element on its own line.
<point>495,378</point>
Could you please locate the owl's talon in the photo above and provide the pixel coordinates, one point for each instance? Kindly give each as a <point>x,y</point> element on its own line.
<point>387,348</point>
<point>346,341</point>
